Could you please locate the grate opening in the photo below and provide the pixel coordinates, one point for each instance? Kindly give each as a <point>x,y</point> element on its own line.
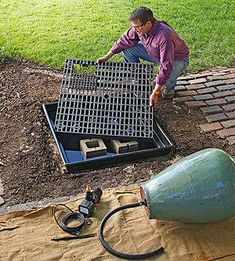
<point>108,99</point>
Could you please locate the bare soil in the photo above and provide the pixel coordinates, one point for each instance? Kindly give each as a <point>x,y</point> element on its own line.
<point>30,168</point>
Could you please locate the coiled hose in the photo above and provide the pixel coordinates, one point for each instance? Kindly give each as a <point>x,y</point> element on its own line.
<point>115,252</point>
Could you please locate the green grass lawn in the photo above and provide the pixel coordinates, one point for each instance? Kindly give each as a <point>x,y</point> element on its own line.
<point>48,31</point>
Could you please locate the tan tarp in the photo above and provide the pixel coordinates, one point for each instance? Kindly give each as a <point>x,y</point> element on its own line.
<point>26,235</point>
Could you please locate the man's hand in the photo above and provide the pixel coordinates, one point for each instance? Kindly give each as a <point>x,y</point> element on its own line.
<point>102,59</point>
<point>154,99</point>
<point>154,95</point>
<point>105,58</point>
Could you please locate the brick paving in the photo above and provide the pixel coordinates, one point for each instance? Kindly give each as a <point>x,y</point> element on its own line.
<point>213,93</point>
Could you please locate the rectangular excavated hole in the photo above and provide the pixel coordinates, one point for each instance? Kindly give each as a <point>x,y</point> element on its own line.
<point>68,145</point>
<point>108,103</point>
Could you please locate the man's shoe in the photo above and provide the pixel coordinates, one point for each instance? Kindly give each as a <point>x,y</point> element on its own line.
<point>168,94</point>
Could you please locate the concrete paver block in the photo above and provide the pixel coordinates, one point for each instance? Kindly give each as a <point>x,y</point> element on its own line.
<point>122,147</point>
<point>226,132</point>
<point>216,117</point>
<point>225,87</point>
<point>231,140</point>
<point>181,82</point>
<point>195,86</point>
<point>195,104</point>
<point>230,99</point>
<point>211,109</point>
<point>211,127</point>
<point>229,81</point>
<point>196,81</point>
<point>230,76</point>
<point>229,107</point>
<point>202,74</point>
<point>214,83</point>
<point>228,124</point>
<point>223,94</point>
<point>216,101</point>
<point>180,87</point>
<point>203,97</point>
<point>186,77</point>
<point>216,77</point>
<point>92,147</point>
<point>206,90</point>
<point>187,93</point>
<point>231,115</point>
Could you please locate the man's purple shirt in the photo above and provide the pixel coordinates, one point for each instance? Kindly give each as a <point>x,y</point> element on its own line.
<point>162,44</point>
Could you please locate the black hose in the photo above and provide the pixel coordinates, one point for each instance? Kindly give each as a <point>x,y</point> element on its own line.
<point>115,252</point>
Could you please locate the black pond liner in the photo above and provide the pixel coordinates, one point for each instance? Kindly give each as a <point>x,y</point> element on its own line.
<point>68,145</point>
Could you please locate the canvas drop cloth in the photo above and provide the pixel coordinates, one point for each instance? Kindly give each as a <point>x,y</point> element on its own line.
<point>26,235</point>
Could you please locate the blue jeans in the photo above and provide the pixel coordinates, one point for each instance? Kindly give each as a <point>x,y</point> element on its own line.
<point>135,53</point>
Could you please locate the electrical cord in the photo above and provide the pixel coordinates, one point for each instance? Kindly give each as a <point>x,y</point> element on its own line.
<point>75,230</point>
<point>115,252</point>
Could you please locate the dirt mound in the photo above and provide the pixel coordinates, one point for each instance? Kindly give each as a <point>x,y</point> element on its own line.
<point>30,167</point>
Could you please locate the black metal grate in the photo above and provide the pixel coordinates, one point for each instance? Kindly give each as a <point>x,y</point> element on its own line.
<point>110,99</point>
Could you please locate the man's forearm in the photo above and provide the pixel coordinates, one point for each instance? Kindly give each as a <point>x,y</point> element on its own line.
<point>109,54</point>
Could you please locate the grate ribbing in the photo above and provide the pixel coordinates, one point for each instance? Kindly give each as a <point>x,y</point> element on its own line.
<point>108,99</point>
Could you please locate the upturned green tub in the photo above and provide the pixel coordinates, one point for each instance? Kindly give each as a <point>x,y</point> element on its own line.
<point>197,189</point>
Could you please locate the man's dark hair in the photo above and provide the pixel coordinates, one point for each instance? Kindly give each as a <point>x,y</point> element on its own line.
<point>143,14</point>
